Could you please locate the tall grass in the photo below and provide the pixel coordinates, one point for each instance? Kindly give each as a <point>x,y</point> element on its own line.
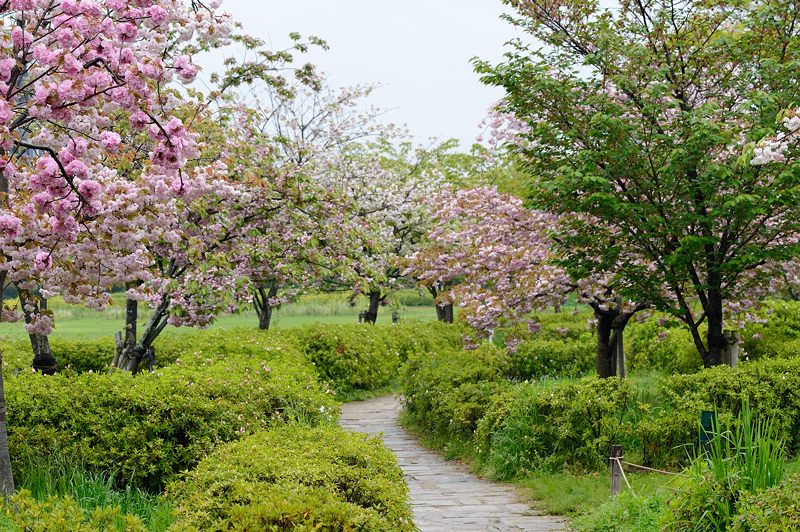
<point>94,490</point>
<point>750,454</point>
<point>744,457</point>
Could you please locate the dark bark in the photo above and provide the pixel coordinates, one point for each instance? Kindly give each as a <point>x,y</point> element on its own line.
<point>604,360</point>
<point>43,359</point>
<point>444,313</point>
<point>143,354</point>
<point>264,293</point>
<point>375,300</point>
<point>6,475</point>
<point>715,338</point>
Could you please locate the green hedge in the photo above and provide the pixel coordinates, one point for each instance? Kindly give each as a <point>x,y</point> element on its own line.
<point>63,514</point>
<point>551,425</point>
<point>775,509</point>
<point>148,428</point>
<point>538,358</point>
<point>653,347</point>
<point>771,386</point>
<point>75,355</point>
<point>447,392</point>
<point>361,357</point>
<point>470,397</point>
<point>296,478</point>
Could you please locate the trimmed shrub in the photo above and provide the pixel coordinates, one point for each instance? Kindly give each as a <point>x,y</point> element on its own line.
<point>771,387</point>
<point>63,514</point>
<point>668,349</point>
<point>296,478</point>
<point>350,357</point>
<point>76,355</point>
<point>554,424</point>
<point>362,357</point>
<point>447,392</point>
<point>538,358</point>
<point>773,510</point>
<point>148,428</point>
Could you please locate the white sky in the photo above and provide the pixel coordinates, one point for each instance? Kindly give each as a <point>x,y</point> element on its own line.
<point>418,51</point>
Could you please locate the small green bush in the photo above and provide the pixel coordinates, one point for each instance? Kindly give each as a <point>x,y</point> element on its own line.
<point>649,346</point>
<point>63,514</point>
<point>361,357</point>
<point>296,478</point>
<point>538,358</point>
<point>71,355</point>
<point>447,392</point>
<point>148,428</point>
<point>554,424</point>
<point>350,357</point>
<point>770,386</point>
<point>773,510</point>
<point>776,334</point>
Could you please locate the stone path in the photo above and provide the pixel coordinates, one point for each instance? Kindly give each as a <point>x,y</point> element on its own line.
<point>445,495</point>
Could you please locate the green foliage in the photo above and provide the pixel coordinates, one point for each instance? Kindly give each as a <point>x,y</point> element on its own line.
<point>71,355</point>
<point>61,481</point>
<point>777,334</point>
<point>773,510</point>
<point>625,513</point>
<point>447,392</point>
<point>650,346</point>
<point>554,424</point>
<point>296,478</point>
<point>148,428</point>
<point>744,458</point>
<point>63,514</point>
<point>538,358</point>
<point>770,387</point>
<point>364,357</point>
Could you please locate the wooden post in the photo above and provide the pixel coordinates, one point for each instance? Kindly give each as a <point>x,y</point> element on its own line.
<point>731,357</point>
<point>616,469</point>
<point>620,354</point>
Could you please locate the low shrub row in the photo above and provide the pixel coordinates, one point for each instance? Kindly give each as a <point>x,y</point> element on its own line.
<point>363,358</point>
<point>149,428</point>
<point>352,357</point>
<point>515,428</point>
<point>296,478</point>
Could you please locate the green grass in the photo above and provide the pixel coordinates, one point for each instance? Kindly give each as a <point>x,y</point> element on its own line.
<point>75,322</point>
<point>92,491</point>
<point>572,494</point>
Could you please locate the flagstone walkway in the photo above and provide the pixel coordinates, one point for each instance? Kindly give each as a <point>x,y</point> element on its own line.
<point>445,495</point>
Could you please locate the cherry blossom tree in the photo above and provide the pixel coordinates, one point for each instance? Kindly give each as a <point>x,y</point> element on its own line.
<point>311,236</point>
<point>69,70</point>
<point>499,251</point>
<point>638,118</point>
<point>388,180</point>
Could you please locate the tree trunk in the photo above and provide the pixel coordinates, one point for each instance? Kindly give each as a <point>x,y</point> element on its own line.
<point>43,359</point>
<point>6,475</point>
<point>375,299</point>
<point>604,361</point>
<point>143,354</point>
<point>445,313</point>
<point>131,318</point>
<point>715,339</point>
<point>261,302</point>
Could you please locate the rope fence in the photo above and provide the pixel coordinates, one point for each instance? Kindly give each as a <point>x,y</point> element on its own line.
<point>617,461</point>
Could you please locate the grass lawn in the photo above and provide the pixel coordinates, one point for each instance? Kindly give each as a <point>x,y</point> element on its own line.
<point>73,322</point>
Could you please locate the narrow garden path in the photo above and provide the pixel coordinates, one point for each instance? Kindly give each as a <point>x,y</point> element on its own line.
<point>445,496</point>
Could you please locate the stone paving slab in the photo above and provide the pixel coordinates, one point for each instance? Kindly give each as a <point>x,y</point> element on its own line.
<point>445,496</point>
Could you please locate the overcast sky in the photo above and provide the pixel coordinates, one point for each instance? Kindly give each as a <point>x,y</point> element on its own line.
<point>418,50</point>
